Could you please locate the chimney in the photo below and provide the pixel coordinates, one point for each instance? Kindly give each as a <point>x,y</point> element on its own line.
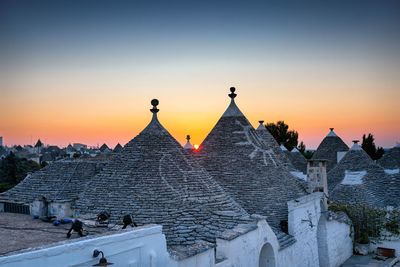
<point>316,177</point>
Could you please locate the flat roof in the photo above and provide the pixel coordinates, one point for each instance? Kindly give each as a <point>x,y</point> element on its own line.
<point>20,232</point>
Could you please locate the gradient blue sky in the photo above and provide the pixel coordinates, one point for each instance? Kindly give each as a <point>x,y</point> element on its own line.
<point>84,71</point>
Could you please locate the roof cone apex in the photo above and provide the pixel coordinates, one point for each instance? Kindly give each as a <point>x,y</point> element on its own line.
<point>188,145</point>
<point>261,126</point>
<point>331,133</point>
<point>232,110</point>
<point>356,146</point>
<point>295,150</point>
<point>154,123</point>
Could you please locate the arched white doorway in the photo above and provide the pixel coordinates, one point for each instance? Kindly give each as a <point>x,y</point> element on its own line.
<point>267,257</point>
<point>323,255</point>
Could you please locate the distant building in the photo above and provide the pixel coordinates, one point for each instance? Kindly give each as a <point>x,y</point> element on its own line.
<point>117,148</point>
<point>79,147</point>
<point>358,180</point>
<point>332,149</point>
<point>105,149</point>
<point>188,145</point>
<point>38,146</point>
<point>391,160</point>
<point>1,140</point>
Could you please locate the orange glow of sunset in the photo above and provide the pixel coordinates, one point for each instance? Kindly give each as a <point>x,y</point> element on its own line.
<point>87,74</point>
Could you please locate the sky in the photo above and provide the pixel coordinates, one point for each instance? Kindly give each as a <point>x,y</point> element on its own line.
<point>86,71</point>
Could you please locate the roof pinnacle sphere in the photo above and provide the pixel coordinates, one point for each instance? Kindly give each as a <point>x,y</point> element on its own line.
<point>261,122</point>
<point>356,141</point>
<point>331,129</point>
<point>155,103</point>
<point>232,94</point>
<point>188,137</point>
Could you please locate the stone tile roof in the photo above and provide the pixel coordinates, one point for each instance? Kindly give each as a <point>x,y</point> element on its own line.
<point>104,148</point>
<point>328,149</point>
<point>271,143</point>
<point>298,160</point>
<point>374,184</point>
<point>60,180</point>
<point>393,191</point>
<point>153,180</point>
<point>235,156</point>
<point>117,148</point>
<point>284,239</point>
<point>391,159</point>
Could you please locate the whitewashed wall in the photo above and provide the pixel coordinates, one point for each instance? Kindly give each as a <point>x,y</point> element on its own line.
<point>205,259</point>
<point>303,220</point>
<point>339,242</point>
<point>56,208</point>
<point>144,246</point>
<point>244,251</point>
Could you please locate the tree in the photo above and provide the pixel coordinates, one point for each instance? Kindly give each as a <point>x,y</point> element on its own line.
<point>280,131</point>
<point>306,153</point>
<point>368,144</point>
<point>302,147</point>
<point>14,169</point>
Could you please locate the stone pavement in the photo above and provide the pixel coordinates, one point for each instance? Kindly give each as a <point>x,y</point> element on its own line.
<point>369,261</point>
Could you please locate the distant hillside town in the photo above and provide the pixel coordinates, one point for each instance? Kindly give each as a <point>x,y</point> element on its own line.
<point>40,152</point>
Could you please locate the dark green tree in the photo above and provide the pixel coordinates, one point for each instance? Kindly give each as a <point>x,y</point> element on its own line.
<point>14,169</point>
<point>368,144</point>
<point>306,153</point>
<point>302,147</point>
<point>280,131</point>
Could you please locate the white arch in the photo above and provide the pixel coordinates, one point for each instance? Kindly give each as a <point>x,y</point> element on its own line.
<point>267,256</point>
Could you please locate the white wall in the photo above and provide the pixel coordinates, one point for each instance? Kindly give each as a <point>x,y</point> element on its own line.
<point>244,251</point>
<point>60,209</point>
<point>303,220</point>
<point>340,242</point>
<point>204,259</point>
<point>144,246</point>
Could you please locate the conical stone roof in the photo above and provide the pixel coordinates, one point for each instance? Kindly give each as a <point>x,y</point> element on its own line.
<point>153,180</point>
<point>298,160</point>
<point>104,148</point>
<point>271,143</point>
<point>356,179</point>
<point>328,149</point>
<point>60,180</point>
<point>391,158</point>
<point>235,156</point>
<point>117,148</point>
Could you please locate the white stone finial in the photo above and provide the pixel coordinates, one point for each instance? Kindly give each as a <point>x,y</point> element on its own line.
<point>356,146</point>
<point>188,145</point>
<point>331,133</point>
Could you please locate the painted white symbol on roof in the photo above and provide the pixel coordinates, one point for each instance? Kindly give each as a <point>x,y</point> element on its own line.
<point>253,140</point>
<point>391,171</point>
<point>353,177</point>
